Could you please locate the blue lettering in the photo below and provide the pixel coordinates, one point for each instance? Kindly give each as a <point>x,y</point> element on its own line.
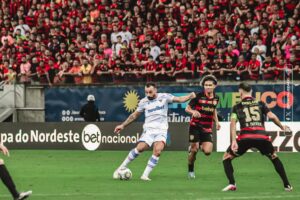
<point>156,108</point>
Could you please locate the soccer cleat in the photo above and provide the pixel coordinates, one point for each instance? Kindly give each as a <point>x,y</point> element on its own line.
<point>288,188</point>
<point>116,174</point>
<point>191,175</point>
<point>24,195</point>
<point>145,178</point>
<point>229,187</point>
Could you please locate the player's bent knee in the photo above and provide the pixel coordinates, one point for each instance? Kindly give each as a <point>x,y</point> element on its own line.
<point>1,162</point>
<point>142,147</point>
<point>272,156</point>
<point>194,149</point>
<point>157,154</point>
<point>140,150</point>
<point>207,151</point>
<point>227,156</point>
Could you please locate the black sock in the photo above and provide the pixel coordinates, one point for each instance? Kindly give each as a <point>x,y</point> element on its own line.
<point>192,159</point>
<point>8,182</point>
<point>280,170</point>
<point>229,170</point>
<point>191,167</point>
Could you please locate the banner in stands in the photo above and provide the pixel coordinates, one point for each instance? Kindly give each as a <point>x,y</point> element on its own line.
<point>289,142</point>
<point>116,103</point>
<point>81,136</point>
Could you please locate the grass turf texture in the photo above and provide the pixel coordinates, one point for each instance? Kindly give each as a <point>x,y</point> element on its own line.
<point>83,175</point>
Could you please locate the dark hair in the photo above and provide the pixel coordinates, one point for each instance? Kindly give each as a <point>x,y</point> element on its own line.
<point>245,86</point>
<point>209,78</point>
<point>150,84</point>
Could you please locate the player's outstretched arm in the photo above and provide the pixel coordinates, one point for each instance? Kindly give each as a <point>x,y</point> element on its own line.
<point>184,98</point>
<point>276,121</point>
<point>130,119</point>
<point>4,150</point>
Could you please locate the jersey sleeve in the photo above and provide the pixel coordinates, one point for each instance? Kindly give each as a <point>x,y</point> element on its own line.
<point>168,97</point>
<point>234,113</point>
<point>265,108</point>
<point>192,102</point>
<point>141,106</point>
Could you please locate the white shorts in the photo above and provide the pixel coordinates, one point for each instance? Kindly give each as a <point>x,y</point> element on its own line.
<point>150,136</point>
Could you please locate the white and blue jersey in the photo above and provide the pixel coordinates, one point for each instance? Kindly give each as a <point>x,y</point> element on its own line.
<point>156,111</point>
<point>156,117</point>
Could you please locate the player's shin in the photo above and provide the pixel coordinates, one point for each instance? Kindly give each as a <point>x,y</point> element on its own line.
<point>133,154</point>
<point>280,170</point>
<point>152,162</point>
<point>7,180</point>
<point>191,160</point>
<point>228,168</point>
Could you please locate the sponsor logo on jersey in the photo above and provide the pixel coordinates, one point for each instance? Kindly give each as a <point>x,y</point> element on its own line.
<point>156,109</point>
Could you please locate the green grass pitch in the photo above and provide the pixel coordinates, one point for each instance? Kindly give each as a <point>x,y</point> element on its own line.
<point>83,175</point>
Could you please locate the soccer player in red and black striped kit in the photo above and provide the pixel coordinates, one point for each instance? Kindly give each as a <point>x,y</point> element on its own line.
<point>251,115</point>
<point>204,113</point>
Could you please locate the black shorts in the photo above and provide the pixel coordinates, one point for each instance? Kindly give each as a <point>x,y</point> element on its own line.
<point>197,134</point>
<point>264,146</point>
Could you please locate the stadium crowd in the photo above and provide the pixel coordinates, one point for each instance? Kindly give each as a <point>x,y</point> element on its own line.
<point>94,41</point>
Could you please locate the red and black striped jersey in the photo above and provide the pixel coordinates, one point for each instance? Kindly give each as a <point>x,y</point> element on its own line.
<point>251,115</point>
<point>206,107</point>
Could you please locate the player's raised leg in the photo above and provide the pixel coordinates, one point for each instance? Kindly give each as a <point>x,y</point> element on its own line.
<point>193,149</point>
<point>133,154</point>
<point>152,162</point>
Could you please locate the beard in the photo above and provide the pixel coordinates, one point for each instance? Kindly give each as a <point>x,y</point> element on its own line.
<point>151,98</point>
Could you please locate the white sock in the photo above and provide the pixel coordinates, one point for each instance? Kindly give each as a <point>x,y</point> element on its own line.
<point>150,165</point>
<point>134,153</point>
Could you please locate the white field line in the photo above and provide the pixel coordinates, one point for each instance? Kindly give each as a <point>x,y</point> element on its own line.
<point>288,196</point>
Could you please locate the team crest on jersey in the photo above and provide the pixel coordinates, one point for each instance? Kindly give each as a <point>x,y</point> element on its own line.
<point>215,102</point>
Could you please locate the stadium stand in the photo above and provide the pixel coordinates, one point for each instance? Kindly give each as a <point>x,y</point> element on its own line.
<point>102,41</point>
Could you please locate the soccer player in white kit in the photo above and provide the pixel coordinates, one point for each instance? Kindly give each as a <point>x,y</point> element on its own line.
<point>155,107</point>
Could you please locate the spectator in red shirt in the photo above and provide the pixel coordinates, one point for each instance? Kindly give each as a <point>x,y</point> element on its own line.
<point>282,70</point>
<point>3,71</point>
<point>227,71</point>
<point>268,69</point>
<point>216,67</point>
<point>254,67</point>
<point>241,69</point>
<point>150,68</point>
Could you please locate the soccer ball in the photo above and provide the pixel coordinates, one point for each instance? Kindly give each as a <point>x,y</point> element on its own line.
<point>123,174</point>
